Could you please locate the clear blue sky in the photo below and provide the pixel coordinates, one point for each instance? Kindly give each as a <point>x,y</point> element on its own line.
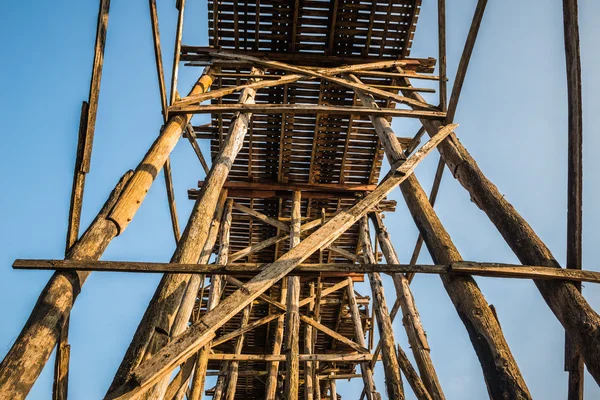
<point>513,121</point>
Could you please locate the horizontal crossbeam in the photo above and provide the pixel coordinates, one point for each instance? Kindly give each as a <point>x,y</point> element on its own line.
<point>494,270</point>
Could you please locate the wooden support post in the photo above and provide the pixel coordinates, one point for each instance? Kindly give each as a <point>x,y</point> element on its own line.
<point>30,352</point>
<point>234,365</point>
<point>412,377</point>
<point>463,291</point>
<point>573,360</point>
<point>308,349</point>
<point>214,297</point>
<point>200,333</point>
<point>442,54</point>
<point>293,316</point>
<point>365,368</point>
<point>332,389</point>
<point>273,366</point>
<point>61,367</point>
<point>101,30</point>
<point>412,321</point>
<point>155,328</point>
<point>393,381</point>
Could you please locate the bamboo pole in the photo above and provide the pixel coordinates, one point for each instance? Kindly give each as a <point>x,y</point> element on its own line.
<point>573,360</point>
<point>393,381</point>
<point>155,329</point>
<point>200,333</point>
<point>293,316</point>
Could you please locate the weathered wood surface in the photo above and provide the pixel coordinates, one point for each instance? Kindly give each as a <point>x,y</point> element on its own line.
<point>273,366</point>
<point>153,161</point>
<point>359,335</point>
<point>60,386</point>
<point>94,94</point>
<point>155,329</point>
<point>393,381</point>
<point>413,378</point>
<point>292,376</point>
<point>235,365</point>
<point>290,78</point>
<point>493,270</point>
<point>573,360</point>
<point>25,360</point>
<point>411,321</point>
<point>346,357</point>
<point>200,333</point>
<point>306,109</point>
<point>570,307</point>
<point>485,332</point>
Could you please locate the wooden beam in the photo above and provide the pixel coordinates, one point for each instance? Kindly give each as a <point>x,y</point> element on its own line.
<point>234,365</point>
<point>177,51</point>
<point>246,328</point>
<point>442,54</point>
<point>305,109</point>
<point>167,296</point>
<point>261,217</point>
<point>492,270</point>
<point>292,376</point>
<point>393,381</point>
<point>290,78</point>
<point>573,360</point>
<point>463,65</point>
<point>273,366</point>
<point>412,320</point>
<point>200,333</point>
<point>309,331</point>
<point>290,187</point>
<point>346,357</point>
<point>60,385</point>
<point>365,368</point>
<point>317,74</point>
<point>414,380</point>
<point>94,94</point>
<point>216,288</point>
<point>463,291</point>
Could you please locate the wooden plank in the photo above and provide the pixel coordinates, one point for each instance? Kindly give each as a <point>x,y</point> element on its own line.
<point>273,366</point>
<point>246,328</point>
<point>495,270</point>
<point>234,365</point>
<point>304,109</point>
<point>199,334</point>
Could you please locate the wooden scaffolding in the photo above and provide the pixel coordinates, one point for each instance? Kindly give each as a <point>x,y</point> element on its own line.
<point>302,94</point>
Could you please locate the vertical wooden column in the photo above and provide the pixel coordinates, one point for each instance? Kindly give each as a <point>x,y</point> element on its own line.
<point>412,321</point>
<point>273,366</point>
<point>293,315</point>
<point>573,361</point>
<point>393,381</point>
<point>365,368</point>
<point>442,54</point>
<point>155,328</point>
<point>308,349</point>
<point>332,389</point>
<point>234,365</point>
